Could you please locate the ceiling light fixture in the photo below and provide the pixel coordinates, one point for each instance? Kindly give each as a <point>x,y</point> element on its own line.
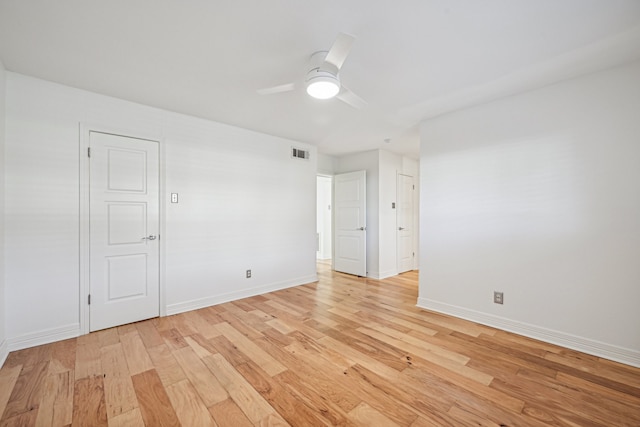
<point>322,84</point>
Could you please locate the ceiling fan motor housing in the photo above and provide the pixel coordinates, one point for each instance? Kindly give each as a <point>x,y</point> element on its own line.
<point>322,79</point>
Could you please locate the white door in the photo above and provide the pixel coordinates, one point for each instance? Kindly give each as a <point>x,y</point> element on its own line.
<point>350,242</point>
<point>404,220</point>
<point>124,223</point>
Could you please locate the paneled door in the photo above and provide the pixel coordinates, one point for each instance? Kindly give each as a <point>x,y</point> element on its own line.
<point>124,223</point>
<point>350,213</point>
<point>405,223</point>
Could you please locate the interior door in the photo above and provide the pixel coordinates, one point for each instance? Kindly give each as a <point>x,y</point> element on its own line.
<point>350,212</point>
<point>404,220</point>
<point>124,223</point>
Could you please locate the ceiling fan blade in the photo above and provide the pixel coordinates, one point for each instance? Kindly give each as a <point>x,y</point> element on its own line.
<point>277,89</point>
<point>340,49</point>
<point>351,98</point>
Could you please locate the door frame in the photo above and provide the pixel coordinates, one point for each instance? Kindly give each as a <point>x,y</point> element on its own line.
<point>330,177</point>
<point>84,244</point>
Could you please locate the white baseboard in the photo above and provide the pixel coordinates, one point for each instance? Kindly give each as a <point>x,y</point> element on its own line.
<point>196,304</point>
<point>382,274</point>
<point>44,336</point>
<point>585,345</point>
<point>4,352</point>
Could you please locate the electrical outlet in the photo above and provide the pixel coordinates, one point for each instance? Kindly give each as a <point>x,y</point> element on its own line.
<point>498,297</point>
<point>174,197</point>
<point>248,274</point>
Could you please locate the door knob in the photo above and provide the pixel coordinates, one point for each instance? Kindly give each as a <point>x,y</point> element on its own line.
<point>361,228</point>
<point>150,237</point>
<point>400,228</point>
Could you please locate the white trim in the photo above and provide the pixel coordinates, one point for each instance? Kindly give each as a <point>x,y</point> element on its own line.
<point>163,226</point>
<point>382,275</point>
<point>585,345</point>
<point>4,352</point>
<point>196,304</point>
<point>84,243</point>
<point>44,336</point>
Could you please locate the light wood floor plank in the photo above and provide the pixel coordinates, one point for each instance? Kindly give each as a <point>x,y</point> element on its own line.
<point>89,407</point>
<point>155,407</point>
<point>189,407</point>
<point>8,377</point>
<point>118,389</point>
<point>21,420</point>
<point>149,334</point>
<point>228,413</point>
<point>332,413</point>
<point>27,391</point>
<point>199,324</point>
<point>56,407</point>
<point>362,387</point>
<point>286,404</point>
<point>270,365</point>
<point>166,365</point>
<point>314,378</point>
<point>88,358</point>
<point>273,421</point>
<point>132,418</point>
<point>246,397</point>
<point>108,337</point>
<point>364,414</point>
<point>135,352</point>
<point>423,370</point>
<point>29,356</point>
<point>206,384</point>
<point>173,339</point>
<point>63,356</point>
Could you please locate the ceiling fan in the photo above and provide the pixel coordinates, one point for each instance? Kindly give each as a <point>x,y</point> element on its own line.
<point>322,81</point>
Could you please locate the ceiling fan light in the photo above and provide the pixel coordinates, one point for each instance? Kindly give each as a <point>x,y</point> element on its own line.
<point>323,85</point>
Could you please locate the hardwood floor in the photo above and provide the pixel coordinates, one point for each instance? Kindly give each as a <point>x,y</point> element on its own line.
<point>343,351</point>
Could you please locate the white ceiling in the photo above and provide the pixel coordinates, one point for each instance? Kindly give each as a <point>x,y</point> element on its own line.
<point>412,59</point>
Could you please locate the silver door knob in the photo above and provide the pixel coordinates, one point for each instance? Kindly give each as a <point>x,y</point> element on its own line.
<point>361,228</point>
<point>150,237</point>
<point>400,228</point>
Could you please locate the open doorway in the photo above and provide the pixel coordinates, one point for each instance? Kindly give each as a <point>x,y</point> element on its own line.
<point>324,229</point>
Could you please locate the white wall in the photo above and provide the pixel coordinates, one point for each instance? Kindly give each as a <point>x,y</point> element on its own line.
<point>244,203</point>
<point>3,342</point>
<point>538,195</point>
<point>324,216</point>
<point>412,167</point>
<point>326,164</point>
<point>390,166</point>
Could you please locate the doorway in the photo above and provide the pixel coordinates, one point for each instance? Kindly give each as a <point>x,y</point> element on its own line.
<point>404,219</point>
<point>349,221</point>
<point>123,230</point>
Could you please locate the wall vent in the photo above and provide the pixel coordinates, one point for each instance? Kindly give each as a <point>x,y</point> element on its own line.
<point>297,153</point>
